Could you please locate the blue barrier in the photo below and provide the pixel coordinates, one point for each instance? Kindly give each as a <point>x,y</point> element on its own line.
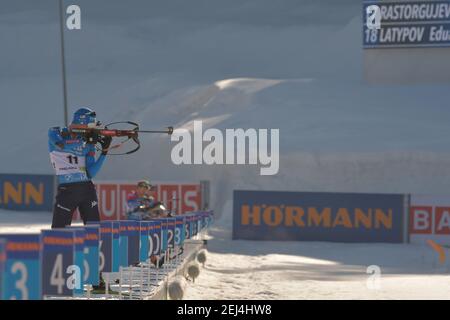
<point>26,192</point>
<point>58,255</point>
<point>21,267</point>
<point>187,227</point>
<point>123,244</point>
<point>164,234</point>
<point>106,246</point>
<point>190,226</point>
<point>79,245</point>
<point>59,262</point>
<point>171,225</point>
<point>315,216</point>
<point>144,230</point>
<point>179,230</point>
<point>116,246</point>
<point>133,242</point>
<point>92,254</point>
<point>155,238</point>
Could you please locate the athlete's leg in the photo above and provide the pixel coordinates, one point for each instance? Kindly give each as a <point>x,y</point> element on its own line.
<point>89,206</point>
<point>65,204</point>
<point>88,209</point>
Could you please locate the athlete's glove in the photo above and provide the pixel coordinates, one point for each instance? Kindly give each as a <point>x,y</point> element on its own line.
<point>92,137</point>
<point>105,142</point>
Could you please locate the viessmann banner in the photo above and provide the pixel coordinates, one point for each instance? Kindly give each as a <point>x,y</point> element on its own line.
<point>318,216</point>
<point>179,197</point>
<point>388,24</point>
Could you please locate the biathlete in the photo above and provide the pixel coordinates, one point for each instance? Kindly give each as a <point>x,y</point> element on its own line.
<point>73,158</point>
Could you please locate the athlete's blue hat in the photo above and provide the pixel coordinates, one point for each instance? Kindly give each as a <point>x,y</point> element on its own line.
<point>84,116</point>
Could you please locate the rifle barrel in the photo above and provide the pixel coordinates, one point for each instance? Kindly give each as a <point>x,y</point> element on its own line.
<point>168,131</point>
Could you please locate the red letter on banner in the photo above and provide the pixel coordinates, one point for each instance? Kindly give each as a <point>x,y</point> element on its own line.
<point>191,200</point>
<point>107,199</point>
<point>442,220</point>
<point>420,220</point>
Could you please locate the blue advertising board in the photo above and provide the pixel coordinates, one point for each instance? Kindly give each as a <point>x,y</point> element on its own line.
<point>115,246</point>
<point>179,230</point>
<point>58,256</point>
<point>406,24</point>
<point>21,269</point>
<point>79,240</point>
<point>144,249</point>
<point>187,226</point>
<point>123,244</point>
<point>91,254</point>
<point>164,234</point>
<point>155,237</point>
<point>193,224</point>
<point>133,231</point>
<point>198,222</point>
<point>106,251</point>
<point>171,226</point>
<point>26,192</point>
<point>317,216</point>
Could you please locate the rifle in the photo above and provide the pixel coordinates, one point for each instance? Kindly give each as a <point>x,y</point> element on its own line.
<point>93,134</point>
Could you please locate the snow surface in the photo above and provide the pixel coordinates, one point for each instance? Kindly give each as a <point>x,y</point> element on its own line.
<point>238,269</point>
<point>288,64</point>
<point>317,270</point>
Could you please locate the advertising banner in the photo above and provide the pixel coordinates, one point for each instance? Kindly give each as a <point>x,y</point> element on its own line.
<point>429,219</point>
<point>318,216</point>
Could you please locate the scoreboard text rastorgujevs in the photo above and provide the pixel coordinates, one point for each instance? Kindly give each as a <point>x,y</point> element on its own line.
<point>407,24</point>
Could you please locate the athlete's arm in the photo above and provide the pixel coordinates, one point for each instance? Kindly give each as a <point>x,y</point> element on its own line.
<point>93,166</point>
<point>59,142</point>
<point>55,140</point>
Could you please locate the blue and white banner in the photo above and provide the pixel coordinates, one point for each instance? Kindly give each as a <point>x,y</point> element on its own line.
<point>390,24</point>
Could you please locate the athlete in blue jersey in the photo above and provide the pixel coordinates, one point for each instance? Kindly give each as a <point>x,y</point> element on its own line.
<point>140,204</point>
<point>73,158</point>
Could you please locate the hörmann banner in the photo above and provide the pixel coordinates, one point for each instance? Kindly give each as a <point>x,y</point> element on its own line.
<point>318,216</point>
<point>429,219</point>
<point>26,192</point>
